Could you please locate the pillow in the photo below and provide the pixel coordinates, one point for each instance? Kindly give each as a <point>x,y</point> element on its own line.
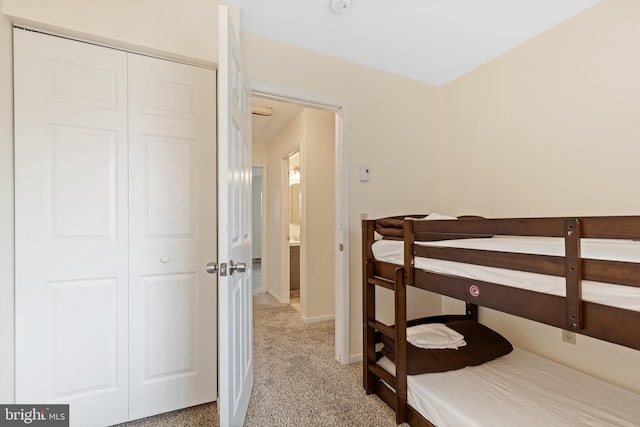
<point>483,345</point>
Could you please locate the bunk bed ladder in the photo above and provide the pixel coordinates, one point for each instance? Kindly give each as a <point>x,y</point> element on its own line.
<point>373,373</point>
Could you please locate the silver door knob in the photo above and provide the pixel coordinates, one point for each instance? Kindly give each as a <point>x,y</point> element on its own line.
<point>212,268</point>
<point>240,267</point>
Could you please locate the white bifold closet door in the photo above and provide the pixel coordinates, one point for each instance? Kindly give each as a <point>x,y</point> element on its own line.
<point>172,222</point>
<point>115,221</point>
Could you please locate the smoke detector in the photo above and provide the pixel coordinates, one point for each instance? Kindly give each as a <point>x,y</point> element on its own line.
<point>340,6</point>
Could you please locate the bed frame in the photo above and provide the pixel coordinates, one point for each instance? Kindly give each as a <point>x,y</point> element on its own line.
<point>607,323</point>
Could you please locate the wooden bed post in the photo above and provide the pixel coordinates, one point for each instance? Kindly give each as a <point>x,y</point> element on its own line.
<point>369,307</point>
<point>409,240</point>
<point>401,346</point>
<point>573,273</point>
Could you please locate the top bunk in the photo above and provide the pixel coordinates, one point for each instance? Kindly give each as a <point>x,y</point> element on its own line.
<point>576,273</point>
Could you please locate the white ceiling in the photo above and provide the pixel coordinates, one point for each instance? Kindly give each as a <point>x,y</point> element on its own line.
<point>433,41</point>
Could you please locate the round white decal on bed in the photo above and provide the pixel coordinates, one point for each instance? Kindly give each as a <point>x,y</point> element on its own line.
<point>474,290</point>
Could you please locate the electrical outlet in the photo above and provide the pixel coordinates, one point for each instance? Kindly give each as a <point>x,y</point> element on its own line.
<point>568,336</point>
<point>363,216</point>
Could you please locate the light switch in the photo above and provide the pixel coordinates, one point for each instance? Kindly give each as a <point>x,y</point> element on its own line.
<point>365,173</point>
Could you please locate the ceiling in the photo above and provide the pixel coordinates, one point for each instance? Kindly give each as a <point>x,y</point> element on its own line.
<point>265,128</point>
<point>439,40</point>
<point>433,41</point>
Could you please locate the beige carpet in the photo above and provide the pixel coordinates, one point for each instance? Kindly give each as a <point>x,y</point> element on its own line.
<point>297,381</point>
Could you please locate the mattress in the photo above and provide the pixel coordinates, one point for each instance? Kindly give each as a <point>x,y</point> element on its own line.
<point>627,297</point>
<point>519,389</point>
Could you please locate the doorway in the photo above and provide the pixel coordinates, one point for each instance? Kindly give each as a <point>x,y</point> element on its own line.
<point>276,258</point>
<point>294,214</point>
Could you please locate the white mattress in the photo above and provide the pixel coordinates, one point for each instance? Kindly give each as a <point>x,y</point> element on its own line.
<point>519,389</point>
<point>627,297</point>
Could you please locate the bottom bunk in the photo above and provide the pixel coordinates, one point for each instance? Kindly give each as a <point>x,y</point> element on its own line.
<point>520,389</point>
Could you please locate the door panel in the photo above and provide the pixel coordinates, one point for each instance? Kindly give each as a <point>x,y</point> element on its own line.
<point>95,195</point>
<point>95,302</point>
<point>172,203</point>
<point>234,230</point>
<point>71,227</point>
<point>174,192</point>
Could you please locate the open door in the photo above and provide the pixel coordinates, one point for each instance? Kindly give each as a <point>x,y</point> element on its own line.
<point>235,329</point>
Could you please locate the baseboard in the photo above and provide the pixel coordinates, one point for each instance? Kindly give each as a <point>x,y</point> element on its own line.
<point>318,318</point>
<point>272,294</point>
<point>355,358</point>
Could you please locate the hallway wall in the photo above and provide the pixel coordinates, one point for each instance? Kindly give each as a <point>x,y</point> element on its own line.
<point>318,248</point>
<point>313,132</point>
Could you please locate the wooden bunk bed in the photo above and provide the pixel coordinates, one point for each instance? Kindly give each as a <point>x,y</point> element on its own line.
<point>569,311</point>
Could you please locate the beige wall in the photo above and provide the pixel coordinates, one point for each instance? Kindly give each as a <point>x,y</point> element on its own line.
<point>278,150</point>
<point>312,132</point>
<point>390,117</point>
<point>318,247</point>
<point>6,211</point>
<point>552,128</point>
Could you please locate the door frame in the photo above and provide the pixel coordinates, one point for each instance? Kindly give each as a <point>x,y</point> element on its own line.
<point>342,285</point>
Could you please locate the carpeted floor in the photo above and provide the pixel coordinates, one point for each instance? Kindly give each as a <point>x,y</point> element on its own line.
<point>297,381</point>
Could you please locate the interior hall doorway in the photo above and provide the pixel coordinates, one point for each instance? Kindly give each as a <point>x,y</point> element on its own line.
<point>298,145</point>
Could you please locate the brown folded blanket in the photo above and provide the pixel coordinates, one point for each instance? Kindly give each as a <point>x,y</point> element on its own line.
<point>391,228</point>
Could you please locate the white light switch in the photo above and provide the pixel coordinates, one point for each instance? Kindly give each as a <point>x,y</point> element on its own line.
<point>365,173</point>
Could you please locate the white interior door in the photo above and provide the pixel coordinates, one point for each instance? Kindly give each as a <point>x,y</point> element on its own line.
<point>235,316</point>
<point>71,227</point>
<point>172,300</point>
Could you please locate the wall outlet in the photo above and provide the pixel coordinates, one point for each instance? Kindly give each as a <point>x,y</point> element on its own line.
<point>568,336</point>
<point>363,216</point>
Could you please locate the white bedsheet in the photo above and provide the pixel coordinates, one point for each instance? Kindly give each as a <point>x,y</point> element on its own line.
<point>519,389</point>
<point>627,297</point>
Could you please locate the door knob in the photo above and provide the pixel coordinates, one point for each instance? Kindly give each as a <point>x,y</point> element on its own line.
<point>212,267</point>
<point>240,267</point>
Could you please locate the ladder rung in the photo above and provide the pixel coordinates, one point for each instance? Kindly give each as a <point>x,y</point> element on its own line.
<point>382,282</point>
<point>387,330</point>
<point>383,375</point>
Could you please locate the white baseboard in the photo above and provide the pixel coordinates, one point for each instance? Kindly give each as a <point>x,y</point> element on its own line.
<point>273,295</point>
<point>355,358</point>
<point>318,318</point>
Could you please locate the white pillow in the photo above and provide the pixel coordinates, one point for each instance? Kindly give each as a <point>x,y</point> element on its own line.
<point>435,216</point>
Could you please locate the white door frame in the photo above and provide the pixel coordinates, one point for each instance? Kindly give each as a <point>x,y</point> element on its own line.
<point>342,286</point>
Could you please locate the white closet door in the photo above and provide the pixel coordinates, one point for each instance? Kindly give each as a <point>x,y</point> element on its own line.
<point>173,235</point>
<point>71,227</point>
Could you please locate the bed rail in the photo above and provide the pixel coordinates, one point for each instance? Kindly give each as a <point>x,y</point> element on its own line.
<point>569,312</point>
